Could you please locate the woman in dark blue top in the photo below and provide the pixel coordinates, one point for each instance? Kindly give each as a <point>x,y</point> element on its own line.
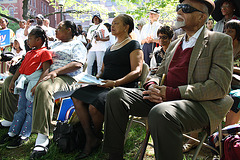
<point>122,66</point>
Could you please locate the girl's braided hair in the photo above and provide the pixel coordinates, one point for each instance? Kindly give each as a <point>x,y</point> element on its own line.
<point>39,32</point>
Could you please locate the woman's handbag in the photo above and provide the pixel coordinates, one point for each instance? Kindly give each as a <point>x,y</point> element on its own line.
<point>6,56</point>
<point>13,68</point>
<point>89,44</point>
<point>69,137</point>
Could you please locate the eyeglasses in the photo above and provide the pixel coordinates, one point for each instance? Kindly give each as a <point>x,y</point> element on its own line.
<point>225,6</point>
<point>186,8</point>
<point>163,37</point>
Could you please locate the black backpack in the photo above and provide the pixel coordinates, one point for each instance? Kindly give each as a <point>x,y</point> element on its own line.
<point>69,137</point>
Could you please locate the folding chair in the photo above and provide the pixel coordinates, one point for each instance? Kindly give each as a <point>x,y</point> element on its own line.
<point>145,142</point>
<point>142,79</point>
<point>201,143</point>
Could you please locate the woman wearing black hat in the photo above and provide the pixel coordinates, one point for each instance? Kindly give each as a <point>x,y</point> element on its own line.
<point>98,35</point>
<point>228,12</point>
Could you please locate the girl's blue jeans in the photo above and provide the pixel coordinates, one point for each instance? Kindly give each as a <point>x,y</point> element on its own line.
<point>22,121</point>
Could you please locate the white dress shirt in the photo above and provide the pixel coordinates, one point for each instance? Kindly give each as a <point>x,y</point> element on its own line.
<point>192,40</point>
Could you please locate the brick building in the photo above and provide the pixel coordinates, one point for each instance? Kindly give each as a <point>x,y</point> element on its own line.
<point>35,7</point>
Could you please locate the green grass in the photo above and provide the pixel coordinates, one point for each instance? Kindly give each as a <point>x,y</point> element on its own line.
<point>136,136</point>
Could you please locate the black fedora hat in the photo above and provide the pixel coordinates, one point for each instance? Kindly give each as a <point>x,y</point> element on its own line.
<point>217,14</point>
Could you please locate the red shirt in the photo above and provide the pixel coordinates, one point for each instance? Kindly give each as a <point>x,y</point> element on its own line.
<point>33,60</point>
<point>177,72</point>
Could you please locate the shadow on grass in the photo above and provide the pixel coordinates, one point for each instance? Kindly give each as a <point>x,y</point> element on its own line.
<point>133,143</point>
<point>135,138</point>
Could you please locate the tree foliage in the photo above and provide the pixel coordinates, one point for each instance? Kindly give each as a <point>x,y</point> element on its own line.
<point>137,8</point>
<point>84,9</point>
<point>140,8</point>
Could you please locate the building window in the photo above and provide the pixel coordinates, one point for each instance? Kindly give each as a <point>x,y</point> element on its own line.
<point>30,2</point>
<point>45,8</point>
<point>95,1</point>
<point>42,7</point>
<point>11,11</point>
<point>30,12</point>
<point>34,13</point>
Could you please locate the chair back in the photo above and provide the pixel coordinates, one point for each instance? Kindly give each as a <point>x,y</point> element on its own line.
<point>84,66</point>
<point>143,77</point>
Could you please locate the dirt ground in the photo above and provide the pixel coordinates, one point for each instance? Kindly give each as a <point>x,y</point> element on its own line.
<point>205,154</point>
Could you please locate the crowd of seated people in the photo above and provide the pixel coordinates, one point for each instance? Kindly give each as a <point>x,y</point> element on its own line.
<point>120,65</point>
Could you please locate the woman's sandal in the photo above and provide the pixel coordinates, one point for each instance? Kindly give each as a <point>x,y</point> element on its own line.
<point>189,146</point>
<point>83,155</point>
<point>37,154</point>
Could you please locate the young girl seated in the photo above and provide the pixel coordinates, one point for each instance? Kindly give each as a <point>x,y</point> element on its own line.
<point>24,82</point>
<point>18,50</point>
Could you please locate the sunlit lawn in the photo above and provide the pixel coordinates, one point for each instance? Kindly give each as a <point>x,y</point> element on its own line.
<point>135,138</point>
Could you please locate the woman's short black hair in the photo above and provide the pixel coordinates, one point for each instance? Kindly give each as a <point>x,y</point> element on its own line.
<point>229,2</point>
<point>210,19</point>
<point>234,24</point>
<point>127,20</point>
<point>166,30</point>
<point>108,25</point>
<point>72,25</point>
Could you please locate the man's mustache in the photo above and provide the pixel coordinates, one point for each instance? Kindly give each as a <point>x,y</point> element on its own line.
<point>180,17</point>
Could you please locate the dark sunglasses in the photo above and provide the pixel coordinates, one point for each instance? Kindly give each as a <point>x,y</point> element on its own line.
<point>163,37</point>
<point>186,8</point>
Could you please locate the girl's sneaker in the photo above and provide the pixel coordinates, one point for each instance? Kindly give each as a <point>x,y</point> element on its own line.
<point>6,139</point>
<point>17,142</point>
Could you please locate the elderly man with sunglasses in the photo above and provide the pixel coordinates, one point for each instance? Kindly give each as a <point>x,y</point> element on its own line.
<point>198,69</point>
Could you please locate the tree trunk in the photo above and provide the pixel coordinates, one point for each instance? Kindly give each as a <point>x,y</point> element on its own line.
<point>25,9</point>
